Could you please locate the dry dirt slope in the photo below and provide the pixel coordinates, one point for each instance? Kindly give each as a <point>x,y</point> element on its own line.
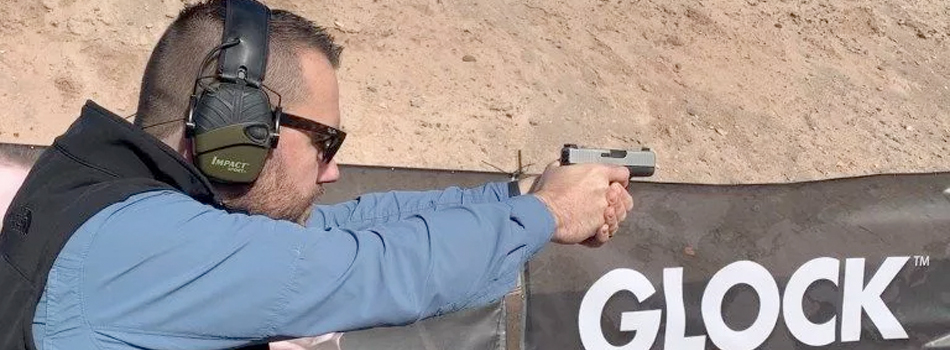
<point>725,91</point>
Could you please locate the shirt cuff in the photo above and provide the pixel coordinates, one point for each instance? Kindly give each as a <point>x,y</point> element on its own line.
<point>538,221</point>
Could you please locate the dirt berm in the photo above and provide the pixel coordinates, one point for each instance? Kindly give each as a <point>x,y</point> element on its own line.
<point>725,91</point>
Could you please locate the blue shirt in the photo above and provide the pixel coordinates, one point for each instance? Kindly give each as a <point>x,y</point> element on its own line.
<point>163,271</point>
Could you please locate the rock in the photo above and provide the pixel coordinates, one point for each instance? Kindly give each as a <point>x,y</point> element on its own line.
<point>721,132</point>
<point>501,106</point>
<point>533,123</point>
<point>416,102</point>
<point>468,58</point>
<point>74,28</point>
<point>675,41</point>
<point>371,89</point>
<point>909,128</point>
<point>778,25</point>
<point>692,111</point>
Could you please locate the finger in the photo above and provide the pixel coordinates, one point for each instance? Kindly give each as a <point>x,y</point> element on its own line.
<point>628,201</point>
<point>604,234</point>
<point>624,195</point>
<point>615,195</point>
<point>610,217</point>
<point>621,214</point>
<point>613,198</point>
<point>617,189</point>
<point>619,174</point>
<point>553,164</point>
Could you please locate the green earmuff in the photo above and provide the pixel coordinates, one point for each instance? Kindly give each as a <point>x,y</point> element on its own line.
<point>230,121</point>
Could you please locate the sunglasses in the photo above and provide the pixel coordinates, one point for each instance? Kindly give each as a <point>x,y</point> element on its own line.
<point>325,138</point>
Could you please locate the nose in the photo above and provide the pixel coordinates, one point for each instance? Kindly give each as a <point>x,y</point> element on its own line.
<point>329,174</point>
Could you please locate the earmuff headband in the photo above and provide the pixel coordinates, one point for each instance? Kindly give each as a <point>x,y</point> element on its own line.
<point>247,22</point>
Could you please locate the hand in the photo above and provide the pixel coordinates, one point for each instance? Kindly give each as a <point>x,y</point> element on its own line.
<point>619,202</point>
<point>580,196</point>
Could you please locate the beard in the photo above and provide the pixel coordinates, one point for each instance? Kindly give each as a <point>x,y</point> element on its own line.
<point>273,195</point>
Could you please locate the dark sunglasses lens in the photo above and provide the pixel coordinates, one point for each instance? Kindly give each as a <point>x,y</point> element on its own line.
<point>325,138</point>
<point>331,146</point>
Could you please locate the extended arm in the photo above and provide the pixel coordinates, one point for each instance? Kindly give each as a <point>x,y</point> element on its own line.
<point>162,271</point>
<point>376,208</point>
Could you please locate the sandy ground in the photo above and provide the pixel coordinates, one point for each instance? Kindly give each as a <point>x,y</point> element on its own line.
<point>725,91</point>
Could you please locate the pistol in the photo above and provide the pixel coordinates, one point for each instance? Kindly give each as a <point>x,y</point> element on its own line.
<point>641,163</point>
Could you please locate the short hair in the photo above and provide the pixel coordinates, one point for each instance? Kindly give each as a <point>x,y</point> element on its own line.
<point>170,72</point>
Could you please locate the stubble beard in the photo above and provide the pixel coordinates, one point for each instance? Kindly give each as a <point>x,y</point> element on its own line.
<point>274,195</point>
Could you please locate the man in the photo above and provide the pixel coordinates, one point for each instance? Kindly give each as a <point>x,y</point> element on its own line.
<point>126,244</point>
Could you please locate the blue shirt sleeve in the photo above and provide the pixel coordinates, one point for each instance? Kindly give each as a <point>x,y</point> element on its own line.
<point>375,208</point>
<point>161,270</point>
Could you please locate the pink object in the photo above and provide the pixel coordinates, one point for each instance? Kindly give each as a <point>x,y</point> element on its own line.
<point>11,177</point>
<point>329,341</point>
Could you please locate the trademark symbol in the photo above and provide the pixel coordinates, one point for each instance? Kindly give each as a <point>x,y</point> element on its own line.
<point>921,260</point>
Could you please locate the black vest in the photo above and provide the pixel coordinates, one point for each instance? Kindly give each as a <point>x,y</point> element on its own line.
<point>99,161</point>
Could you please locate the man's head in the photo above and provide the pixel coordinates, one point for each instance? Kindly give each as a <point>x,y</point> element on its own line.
<point>301,68</point>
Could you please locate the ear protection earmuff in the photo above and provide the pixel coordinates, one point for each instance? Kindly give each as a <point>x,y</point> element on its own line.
<point>230,121</point>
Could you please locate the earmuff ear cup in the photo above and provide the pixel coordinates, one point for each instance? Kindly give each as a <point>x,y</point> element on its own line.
<point>223,104</point>
<point>232,133</point>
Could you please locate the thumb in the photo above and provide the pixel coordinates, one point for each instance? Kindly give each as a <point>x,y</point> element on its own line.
<point>554,164</point>
<point>619,174</point>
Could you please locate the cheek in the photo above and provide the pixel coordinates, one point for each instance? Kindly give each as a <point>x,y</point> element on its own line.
<point>299,158</point>
<point>301,168</point>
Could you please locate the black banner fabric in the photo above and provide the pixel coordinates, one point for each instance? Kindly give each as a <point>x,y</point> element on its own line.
<point>858,263</point>
<point>841,264</point>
